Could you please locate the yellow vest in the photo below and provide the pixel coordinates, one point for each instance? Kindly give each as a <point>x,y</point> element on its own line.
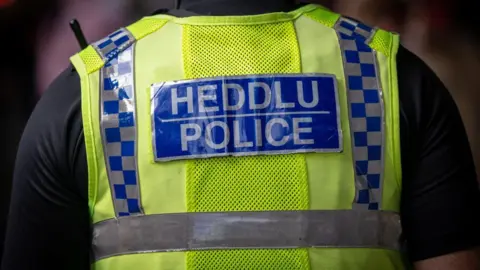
<point>243,142</point>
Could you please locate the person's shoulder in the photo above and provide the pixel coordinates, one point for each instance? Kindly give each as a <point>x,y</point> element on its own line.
<point>409,63</point>
<point>411,68</point>
<point>438,176</point>
<point>54,131</point>
<point>65,84</point>
<point>50,183</point>
<point>61,99</point>
<point>420,89</point>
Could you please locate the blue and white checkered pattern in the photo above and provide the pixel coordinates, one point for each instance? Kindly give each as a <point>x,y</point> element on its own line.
<point>118,127</point>
<point>366,111</point>
<point>112,45</point>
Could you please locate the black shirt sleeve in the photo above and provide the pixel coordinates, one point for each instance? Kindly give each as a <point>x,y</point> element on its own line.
<point>440,198</point>
<point>48,225</point>
<point>49,221</point>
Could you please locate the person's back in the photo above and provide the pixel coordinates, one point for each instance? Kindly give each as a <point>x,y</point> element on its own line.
<point>252,142</point>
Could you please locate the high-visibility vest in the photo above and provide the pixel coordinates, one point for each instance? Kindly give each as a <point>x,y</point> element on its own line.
<point>243,142</point>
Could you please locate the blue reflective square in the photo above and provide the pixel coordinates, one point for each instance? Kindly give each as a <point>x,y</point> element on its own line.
<point>362,47</point>
<point>363,196</point>
<point>123,214</point>
<point>112,135</point>
<point>130,177</point>
<point>373,206</point>
<point>105,43</point>
<point>346,37</point>
<point>128,149</point>
<point>110,107</point>
<point>374,124</point>
<point>121,40</point>
<point>126,119</point>
<point>133,206</point>
<point>364,27</point>
<point>359,110</point>
<point>358,37</point>
<point>120,191</point>
<point>355,82</point>
<point>347,25</point>
<point>360,139</point>
<point>373,181</point>
<point>352,57</point>
<point>116,33</point>
<point>374,152</point>
<point>368,70</point>
<point>122,94</point>
<point>371,96</point>
<point>109,84</point>
<point>115,163</point>
<point>361,167</point>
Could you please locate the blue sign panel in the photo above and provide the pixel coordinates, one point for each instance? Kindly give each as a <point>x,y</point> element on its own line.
<point>249,115</point>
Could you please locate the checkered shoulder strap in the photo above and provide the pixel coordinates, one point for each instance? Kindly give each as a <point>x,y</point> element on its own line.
<point>118,120</point>
<point>364,94</point>
<point>109,47</point>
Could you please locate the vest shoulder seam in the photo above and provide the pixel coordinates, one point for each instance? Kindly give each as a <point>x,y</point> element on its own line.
<point>101,52</point>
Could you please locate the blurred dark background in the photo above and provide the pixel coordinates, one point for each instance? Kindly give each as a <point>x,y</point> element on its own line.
<point>36,42</point>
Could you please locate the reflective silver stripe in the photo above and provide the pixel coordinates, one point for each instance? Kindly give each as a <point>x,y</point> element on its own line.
<point>366,112</point>
<point>118,121</point>
<point>246,230</point>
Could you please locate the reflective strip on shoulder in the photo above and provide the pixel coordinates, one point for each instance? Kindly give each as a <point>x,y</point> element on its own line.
<point>115,43</point>
<point>366,111</point>
<point>246,230</point>
<point>118,116</point>
<point>119,131</point>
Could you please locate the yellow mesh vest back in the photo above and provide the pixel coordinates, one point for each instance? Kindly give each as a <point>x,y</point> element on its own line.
<point>259,183</point>
<point>303,41</point>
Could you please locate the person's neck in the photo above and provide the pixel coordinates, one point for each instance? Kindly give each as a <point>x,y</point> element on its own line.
<point>237,7</point>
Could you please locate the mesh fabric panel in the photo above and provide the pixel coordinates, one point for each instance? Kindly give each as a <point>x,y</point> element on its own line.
<point>91,59</point>
<point>240,49</point>
<point>247,184</point>
<point>261,259</point>
<point>381,42</point>
<point>254,183</point>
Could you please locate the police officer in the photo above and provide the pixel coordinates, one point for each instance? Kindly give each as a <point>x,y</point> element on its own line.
<point>263,136</point>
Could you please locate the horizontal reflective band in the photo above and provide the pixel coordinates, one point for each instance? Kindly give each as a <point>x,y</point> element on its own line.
<point>245,230</point>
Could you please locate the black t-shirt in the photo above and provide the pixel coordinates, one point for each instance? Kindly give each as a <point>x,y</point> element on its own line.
<point>49,224</point>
